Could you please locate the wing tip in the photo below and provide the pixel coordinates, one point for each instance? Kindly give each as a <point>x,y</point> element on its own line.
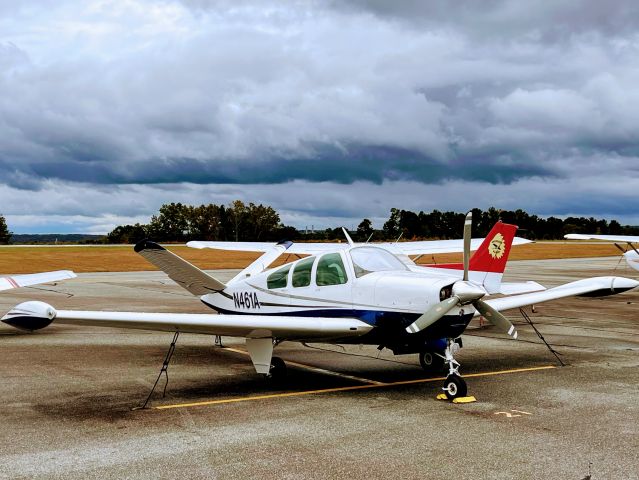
<point>147,244</point>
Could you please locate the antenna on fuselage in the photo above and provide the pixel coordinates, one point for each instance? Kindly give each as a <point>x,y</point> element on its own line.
<point>348,237</point>
<point>369,237</point>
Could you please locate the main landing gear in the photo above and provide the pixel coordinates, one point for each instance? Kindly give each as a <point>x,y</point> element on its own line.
<point>454,385</point>
<point>261,353</point>
<point>431,361</point>
<point>277,373</point>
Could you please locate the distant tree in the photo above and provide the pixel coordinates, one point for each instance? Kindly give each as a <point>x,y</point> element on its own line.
<point>615,228</point>
<point>127,234</point>
<point>5,234</point>
<point>205,222</point>
<point>238,215</point>
<point>392,227</point>
<point>171,224</point>
<point>262,220</point>
<point>365,229</point>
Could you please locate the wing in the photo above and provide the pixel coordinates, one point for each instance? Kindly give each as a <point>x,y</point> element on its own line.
<point>36,315</point>
<point>514,288</point>
<point>431,247</point>
<point>17,281</point>
<point>609,238</point>
<point>631,256</point>
<point>407,248</point>
<point>594,287</point>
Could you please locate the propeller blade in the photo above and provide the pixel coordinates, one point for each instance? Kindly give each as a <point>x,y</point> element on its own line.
<point>495,317</point>
<point>468,223</point>
<point>432,315</point>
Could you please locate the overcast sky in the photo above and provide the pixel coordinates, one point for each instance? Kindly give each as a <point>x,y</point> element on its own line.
<point>330,111</point>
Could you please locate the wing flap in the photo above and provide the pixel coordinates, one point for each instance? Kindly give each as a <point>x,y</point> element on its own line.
<point>38,314</point>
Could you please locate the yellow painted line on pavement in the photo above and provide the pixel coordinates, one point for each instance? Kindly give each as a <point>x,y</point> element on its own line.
<point>343,389</point>
<point>318,370</point>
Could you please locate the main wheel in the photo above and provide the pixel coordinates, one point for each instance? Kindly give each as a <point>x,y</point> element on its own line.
<point>430,361</point>
<point>278,369</point>
<point>455,386</point>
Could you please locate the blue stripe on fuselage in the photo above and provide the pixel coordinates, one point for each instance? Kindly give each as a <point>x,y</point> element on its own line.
<point>376,318</point>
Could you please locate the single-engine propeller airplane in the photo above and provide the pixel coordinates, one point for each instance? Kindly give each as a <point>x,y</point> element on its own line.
<point>631,254</point>
<point>343,294</point>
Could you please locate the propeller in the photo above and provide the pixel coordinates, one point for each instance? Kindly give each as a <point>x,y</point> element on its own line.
<point>464,292</point>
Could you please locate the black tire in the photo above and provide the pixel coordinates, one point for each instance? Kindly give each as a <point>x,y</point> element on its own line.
<point>455,386</point>
<point>430,361</point>
<point>278,369</point>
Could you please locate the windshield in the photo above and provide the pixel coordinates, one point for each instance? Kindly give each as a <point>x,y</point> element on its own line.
<point>373,259</point>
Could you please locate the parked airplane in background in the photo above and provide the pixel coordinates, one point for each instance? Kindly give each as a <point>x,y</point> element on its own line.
<point>17,281</point>
<point>343,294</point>
<point>631,255</point>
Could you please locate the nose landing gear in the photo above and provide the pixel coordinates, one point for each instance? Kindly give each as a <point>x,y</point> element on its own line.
<point>454,385</point>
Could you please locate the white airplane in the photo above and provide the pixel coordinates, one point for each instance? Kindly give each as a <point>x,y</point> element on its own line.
<point>631,255</point>
<point>344,294</point>
<point>18,281</point>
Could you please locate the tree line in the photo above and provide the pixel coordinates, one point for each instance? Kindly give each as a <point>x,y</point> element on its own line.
<point>237,221</point>
<point>177,222</point>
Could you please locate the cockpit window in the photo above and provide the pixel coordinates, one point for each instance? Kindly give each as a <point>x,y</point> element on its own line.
<point>373,259</point>
<point>330,270</point>
<point>302,272</point>
<point>278,278</point>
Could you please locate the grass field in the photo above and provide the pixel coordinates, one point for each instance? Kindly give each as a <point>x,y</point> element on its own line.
<point>124,259</point>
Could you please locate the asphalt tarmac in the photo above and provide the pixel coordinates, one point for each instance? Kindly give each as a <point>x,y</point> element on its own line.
<point>67,394</point>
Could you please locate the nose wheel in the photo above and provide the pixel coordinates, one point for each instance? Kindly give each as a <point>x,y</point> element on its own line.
<point>454,385</point>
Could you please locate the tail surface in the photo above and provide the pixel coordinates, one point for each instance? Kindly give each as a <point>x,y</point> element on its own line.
<point>492,254</point>
<point>185,274</point>
<point>488,263</point>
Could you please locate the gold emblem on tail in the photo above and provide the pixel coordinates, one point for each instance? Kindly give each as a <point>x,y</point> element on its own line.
<point>497,247</point>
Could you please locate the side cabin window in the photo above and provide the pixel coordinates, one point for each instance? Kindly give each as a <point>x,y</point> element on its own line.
<point>302,272</point>
<point>278,278</point>
<point>330,270</point>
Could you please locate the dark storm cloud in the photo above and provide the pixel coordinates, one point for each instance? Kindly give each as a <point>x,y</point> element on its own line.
<point>547,19</point>
<point>245,94</point>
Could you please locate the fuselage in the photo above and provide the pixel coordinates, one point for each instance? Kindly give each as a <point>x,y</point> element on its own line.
<point>367,283</point>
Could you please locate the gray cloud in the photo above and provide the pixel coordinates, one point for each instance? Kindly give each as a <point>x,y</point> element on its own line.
<point>121,95</point>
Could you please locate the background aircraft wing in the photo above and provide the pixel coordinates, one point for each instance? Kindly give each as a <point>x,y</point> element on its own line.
<point>631,256</point>
<point>35,315</point>
<point>610,238</point>
<point>591,287</point>
<point>296,248</point>
<point>17,281</point>
<point>425,247</point>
